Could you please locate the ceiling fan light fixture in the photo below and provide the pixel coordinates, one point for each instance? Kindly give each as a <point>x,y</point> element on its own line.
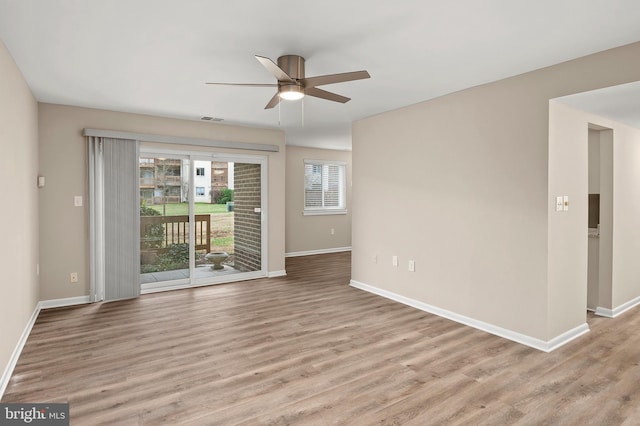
<point>291,92</point>
<point>293,85</point>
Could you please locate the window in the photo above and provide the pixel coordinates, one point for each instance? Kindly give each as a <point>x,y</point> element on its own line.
<point>199,171</point>
<point>324,187</point>
<point>200,190</point>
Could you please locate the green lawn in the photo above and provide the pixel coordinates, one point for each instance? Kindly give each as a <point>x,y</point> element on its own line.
<point>183,208</point>
<point>222,241</point>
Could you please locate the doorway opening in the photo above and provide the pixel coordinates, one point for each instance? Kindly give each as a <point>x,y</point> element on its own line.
<point>600,218</point>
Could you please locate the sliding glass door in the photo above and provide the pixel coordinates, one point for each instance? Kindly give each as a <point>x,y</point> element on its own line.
<point>164,219</point>
<point>201,219</point>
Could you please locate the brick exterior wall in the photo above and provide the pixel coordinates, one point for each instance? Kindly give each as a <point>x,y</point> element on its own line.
<point>246,222</point>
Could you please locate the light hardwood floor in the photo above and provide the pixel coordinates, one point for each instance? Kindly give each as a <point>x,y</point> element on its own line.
<point>309,349</point>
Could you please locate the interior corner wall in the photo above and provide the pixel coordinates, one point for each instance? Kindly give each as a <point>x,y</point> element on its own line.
<point>63,152</point>
<point>469,173</point>
<point>568,174</point>
<point>606,238</point>
<point>625,271</point>
<point>568,230</point>
<point>312,234</point>
<point>19,216</point>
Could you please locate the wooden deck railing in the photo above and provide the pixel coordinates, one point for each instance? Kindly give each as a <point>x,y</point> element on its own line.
<point>176,231</point>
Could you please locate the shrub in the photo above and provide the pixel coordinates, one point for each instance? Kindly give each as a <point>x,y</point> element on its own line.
<point>148,211</point>
<point>176,257</point>
<point>146,269</point>
<point>224,195</point>
<point>153,236</point>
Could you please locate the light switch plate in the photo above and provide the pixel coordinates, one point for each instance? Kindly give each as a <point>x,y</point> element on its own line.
<point>77,201</point>
<point>559,204</point>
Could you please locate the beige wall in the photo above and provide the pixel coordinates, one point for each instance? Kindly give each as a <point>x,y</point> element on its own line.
<point>313,233</point>
<point>469,173</point>
<point>626,215</point>
<point>594,161</point>
<point>19,214</point>
<point>64,228</point>
<point>619,233</point>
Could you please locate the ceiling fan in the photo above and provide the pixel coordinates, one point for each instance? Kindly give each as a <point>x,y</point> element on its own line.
<point>292,83</point>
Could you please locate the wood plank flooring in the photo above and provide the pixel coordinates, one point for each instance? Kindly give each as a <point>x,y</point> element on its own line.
<point>308,349</point>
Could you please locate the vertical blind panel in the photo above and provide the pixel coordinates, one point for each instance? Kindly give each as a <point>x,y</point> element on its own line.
<point>121,219</point>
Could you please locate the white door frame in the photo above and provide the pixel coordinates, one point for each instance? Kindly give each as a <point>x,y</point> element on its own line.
<point>191,155</point>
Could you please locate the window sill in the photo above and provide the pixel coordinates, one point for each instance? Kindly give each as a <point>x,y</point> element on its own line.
<point>323,212</point>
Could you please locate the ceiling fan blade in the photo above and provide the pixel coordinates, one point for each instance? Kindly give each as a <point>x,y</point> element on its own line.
<point>245,84</point>
<point>273,102</point>
<point>319,93</point>
<point>274,69</point>
<point>334,78</point>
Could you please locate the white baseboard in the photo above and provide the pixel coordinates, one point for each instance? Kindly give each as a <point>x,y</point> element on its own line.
<point>612,313</point>
<point>274,274</point>
<point>566,337</point>
<point>321,251</point>
<point>8,371</point>
<point>61,303</point>
<point>44,304</point>
<point>604,312</point>
<point>545,346</point>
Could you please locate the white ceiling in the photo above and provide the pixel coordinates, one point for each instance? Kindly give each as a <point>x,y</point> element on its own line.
<point>620,103</point>
<point>154,56</point>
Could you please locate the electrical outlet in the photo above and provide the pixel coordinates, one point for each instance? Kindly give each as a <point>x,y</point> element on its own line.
<point>412,266</point>
<point>333,231</point>
<point>73,277</point>
<point>394,260</point>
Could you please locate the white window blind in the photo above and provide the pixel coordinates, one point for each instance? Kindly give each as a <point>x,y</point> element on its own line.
<point>324,187</point>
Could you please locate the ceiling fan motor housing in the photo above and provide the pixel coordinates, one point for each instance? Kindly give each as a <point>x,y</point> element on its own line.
<point>293,65</point>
